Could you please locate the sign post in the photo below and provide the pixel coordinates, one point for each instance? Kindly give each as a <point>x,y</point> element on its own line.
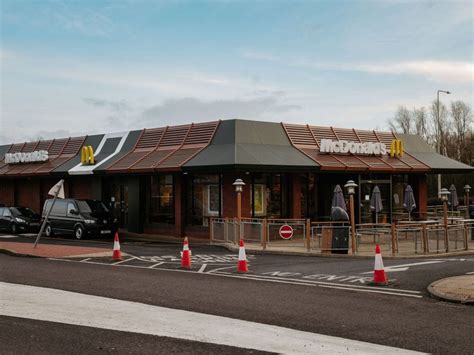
<point>286,231</point>
<point>56,191</point>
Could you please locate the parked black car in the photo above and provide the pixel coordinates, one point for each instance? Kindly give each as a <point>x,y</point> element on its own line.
<point>19,220</point>
<point>79,217</point>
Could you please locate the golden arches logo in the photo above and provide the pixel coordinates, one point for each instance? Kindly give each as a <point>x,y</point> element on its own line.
<point>396,148</point>
<point>87,155</point>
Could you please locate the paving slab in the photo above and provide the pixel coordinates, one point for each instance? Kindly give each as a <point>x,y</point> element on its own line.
<point>454,289</point>
<point>53,251</point>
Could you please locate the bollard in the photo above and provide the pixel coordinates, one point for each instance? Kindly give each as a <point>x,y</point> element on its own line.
<point>308,235</point>
<point>392,228</point>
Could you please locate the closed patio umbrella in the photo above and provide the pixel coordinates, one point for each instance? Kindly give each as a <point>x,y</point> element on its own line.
<point>409,201</point>
<point>453,198</point>
<point>338,205</point>
<point>376,202</point>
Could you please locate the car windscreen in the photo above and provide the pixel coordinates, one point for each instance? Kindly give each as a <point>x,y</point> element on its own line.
<point>22,211</point>
<point>91,206</point>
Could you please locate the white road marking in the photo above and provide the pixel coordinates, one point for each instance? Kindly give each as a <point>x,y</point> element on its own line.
<point>218,272</point>
<point>157,264</point>
<point>8,236</point>
<point>53,305</point>
<point>203,267</point>
<point>83,261</point>
<point>470,273</point>
<point>123,261</point>
<point>405,267</point>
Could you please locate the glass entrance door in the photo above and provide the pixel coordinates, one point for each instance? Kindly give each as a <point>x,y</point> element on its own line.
<point>368,215</point>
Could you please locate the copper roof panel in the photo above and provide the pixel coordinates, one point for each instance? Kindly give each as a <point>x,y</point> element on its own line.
<point>175,136</point>
<point>325,160</point>
<point>57,147</point>
<point>73,145</point>
<point>375,163</point>
<point>178,158</point>
<point>52,164</point>
<point>346,134</point>
<point>30,147</point>
<point>352,163</point>
<point>16,148</point>
<point>129,160</point>
<point>299,134</point>
<point>152,159</point>
<point>323,133</point>
<point>201,133</point>
<point>150,138</point>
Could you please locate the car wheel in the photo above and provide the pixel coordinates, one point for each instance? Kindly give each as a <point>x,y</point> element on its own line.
<point>14,228</point>
<point>79,232</point>
<point>48,231</point>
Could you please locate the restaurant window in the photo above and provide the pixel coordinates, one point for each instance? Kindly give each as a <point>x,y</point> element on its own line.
<point>269,195</point>
<point>161,199</point>
<point>204,198</point>
<point>399,184</point>
<point>309,207</point>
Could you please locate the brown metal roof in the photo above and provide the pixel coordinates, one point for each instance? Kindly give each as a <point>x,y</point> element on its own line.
<point>308,139</point>
<point>166,148</point>
<point>59,150</point>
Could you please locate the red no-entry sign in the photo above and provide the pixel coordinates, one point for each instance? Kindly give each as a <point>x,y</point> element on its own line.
<point>286,231</point>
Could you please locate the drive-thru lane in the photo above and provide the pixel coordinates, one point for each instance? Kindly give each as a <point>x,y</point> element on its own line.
<point>370,317</point>
<point>409,277</point>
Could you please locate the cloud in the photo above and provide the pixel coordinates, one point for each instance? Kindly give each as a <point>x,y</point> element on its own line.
<point>117,106</point>
<point>189,109</point>
<point>435,70</point>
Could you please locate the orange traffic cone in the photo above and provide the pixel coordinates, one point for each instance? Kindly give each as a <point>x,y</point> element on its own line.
<point>380,278</point>
<point>116,255</point>
<point>242,263</point>
<point>186,255</point>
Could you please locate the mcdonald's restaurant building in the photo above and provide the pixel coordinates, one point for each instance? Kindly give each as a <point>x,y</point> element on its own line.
<point>172,180</point>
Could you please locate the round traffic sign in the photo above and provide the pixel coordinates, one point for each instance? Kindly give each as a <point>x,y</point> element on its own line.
<point>286,231</point>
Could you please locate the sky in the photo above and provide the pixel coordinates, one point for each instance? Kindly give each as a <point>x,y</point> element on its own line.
<point>70,68</point>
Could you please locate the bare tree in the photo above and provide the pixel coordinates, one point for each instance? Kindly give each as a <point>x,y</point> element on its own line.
<point>402,121</point>
<point>462,117</point>
<point>439,124</point>
<point>420,119</point>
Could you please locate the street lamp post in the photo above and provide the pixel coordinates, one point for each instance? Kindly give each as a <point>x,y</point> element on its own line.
<point>350,187</point>
<point>439,132</point>
<point>239,184</point>
<point>467,189</point>
<point>444,197</point>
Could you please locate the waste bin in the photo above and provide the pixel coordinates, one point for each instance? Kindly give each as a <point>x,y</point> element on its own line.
<point>340,233</point>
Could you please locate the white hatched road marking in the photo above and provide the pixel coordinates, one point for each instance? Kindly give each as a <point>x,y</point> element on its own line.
<point>32,302</point>
<point>157,264</point>
<point>203,267</point>
<point>217,272</point>
<point>124,261</point>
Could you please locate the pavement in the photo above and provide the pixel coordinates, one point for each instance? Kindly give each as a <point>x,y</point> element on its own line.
<point>53,250</point>
<point>454,289</point>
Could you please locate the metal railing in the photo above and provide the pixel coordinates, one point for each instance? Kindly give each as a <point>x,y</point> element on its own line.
<point>417,237</point>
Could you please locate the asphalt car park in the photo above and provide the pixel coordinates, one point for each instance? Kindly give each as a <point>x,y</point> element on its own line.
<point>409,277</point>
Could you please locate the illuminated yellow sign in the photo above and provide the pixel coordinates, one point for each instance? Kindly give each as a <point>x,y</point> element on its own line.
<point>396,148</point>
<point>87,155</point>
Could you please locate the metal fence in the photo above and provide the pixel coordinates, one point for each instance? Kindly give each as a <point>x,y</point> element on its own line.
<point>336,237</point>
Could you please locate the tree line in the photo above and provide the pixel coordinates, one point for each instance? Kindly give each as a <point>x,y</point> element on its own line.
<point>448,129</point>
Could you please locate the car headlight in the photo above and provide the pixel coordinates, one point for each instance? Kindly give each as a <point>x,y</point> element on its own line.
<point>20,220</point>
<point>89,221</point>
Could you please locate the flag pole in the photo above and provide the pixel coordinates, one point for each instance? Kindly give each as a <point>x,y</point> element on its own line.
<point>56,193</point>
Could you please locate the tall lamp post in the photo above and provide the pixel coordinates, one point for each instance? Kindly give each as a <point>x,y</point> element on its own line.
<point>444,197</point>
<point>439,132</point>
<point>467,189</point>
<point>350,187</point>
<point>239,184</point>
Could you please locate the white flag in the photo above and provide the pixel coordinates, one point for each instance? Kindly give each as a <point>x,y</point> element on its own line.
<point>58,189</point>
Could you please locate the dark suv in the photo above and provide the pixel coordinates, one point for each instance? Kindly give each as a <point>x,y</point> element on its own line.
<point>19,220</point>
<point>79,217</point>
